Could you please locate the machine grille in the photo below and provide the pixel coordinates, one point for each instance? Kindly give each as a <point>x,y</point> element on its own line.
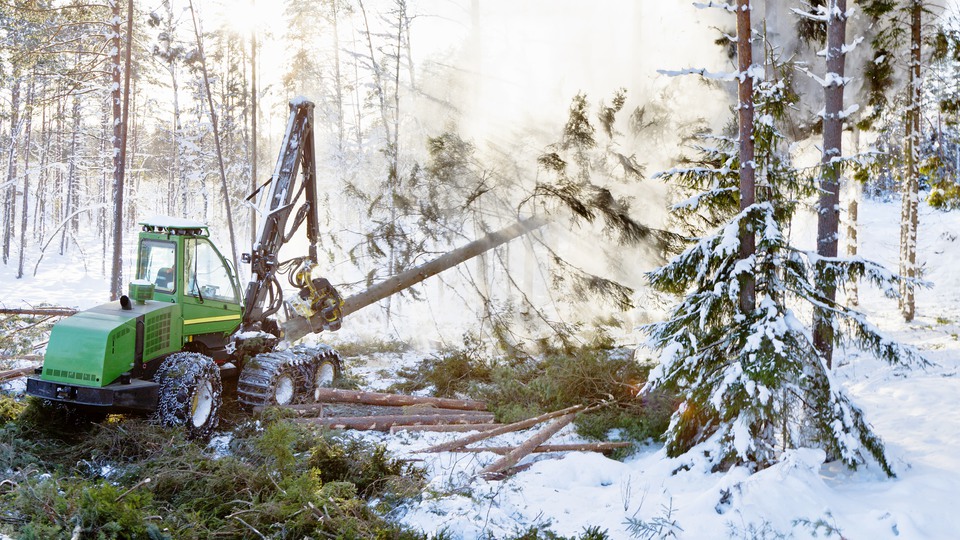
<point>158,334</point>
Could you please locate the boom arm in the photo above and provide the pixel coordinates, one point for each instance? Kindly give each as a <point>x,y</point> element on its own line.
<point>263,296</point>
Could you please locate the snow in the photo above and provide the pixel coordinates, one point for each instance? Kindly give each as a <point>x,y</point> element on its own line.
<point>912,410</point>
<point>168,222</point>
<point>801,497</point>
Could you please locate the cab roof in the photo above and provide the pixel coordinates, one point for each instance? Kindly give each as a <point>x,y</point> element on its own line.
<point>174,225</point>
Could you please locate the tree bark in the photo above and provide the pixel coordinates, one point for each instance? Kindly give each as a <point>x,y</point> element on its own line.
<point>408,278</point>
<point>73,183</point>
<point>334,395</point>
<point>9,194</point>
<point>28,112</point>
<point>509,428</point>
<point>52,312</point>
<point>253,130</point>
<point>116,270</point>
<point>384,423</point>
<point>828,208</point>
<point>853,211</point>
<point>520,452</point>
<point>911,184</point>
<point>747,296</point>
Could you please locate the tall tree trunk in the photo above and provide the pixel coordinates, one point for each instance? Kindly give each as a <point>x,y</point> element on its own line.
<point>253,130</point>
<point>911,184</point>
<point>9,193</point>
<point>116,267</point>
<point>853,211</point>
<point>828,208</point>
<point>72,181</point>
<point>338,82</point>
<point>216,137</point>
<point>40,208</point>
<point>102,218</point>
<point>28,127</point>
<point>748,294</point>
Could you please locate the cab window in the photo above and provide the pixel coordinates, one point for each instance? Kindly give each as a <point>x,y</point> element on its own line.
<point>205,273</point>
<point>157,263</point>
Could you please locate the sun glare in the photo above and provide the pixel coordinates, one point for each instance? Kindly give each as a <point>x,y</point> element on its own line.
<point>245,16</point>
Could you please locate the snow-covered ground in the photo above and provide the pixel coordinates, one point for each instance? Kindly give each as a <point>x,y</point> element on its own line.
<point>913,411</point>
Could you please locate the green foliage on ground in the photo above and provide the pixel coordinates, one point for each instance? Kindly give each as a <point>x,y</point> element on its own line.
<point>128,478</point>
<point>451,373</point>
<point>520,386</point>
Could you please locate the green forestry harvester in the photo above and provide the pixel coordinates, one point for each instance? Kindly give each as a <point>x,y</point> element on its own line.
<point>185,325</point>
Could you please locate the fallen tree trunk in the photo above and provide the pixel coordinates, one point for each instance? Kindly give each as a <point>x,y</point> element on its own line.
<point>441,428</point>
<point>334,395</point>
<point>297,327</point>
<point>384,423</point>
<point>509,428</point>
<point>549,448</point>
<point>518,453</point>
<point>16,373</point>
<point>51,312</point>
<point>408,278</point>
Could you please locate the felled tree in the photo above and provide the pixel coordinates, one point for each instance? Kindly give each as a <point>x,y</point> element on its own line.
<point>750,380</point>
<point>584,169</point>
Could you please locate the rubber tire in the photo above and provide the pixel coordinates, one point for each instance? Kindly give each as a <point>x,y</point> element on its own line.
<point>324,375</point>
<point>295,395</point>
<point>191,394</point>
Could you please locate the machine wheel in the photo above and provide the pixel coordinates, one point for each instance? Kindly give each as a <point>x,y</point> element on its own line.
<point>325,371</point>
<point>190,393</point>
<point>286,387</point>
<point>287,377</point>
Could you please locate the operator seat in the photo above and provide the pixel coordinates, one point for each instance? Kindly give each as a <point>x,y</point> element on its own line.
<point>165,278</point>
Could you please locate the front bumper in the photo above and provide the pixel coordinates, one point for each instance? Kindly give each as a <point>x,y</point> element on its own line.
<point>135,396</point>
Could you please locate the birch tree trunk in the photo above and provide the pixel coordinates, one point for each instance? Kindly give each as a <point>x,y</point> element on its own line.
<point>747,164</point>
<point>911,184</point>
<point>828,208</point>
<point>853,211</point>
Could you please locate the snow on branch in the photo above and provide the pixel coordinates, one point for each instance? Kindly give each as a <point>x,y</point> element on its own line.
<point>755,71</point>
<point>706,74</point>
<point>721,5</point>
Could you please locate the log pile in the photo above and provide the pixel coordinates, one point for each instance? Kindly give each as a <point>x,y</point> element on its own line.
<point>399,413</point>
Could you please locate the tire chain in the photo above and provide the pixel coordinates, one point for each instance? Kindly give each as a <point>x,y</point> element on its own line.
<point>255,386</point>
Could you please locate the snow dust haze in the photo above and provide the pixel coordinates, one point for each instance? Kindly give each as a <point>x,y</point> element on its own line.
<point>503,73</point>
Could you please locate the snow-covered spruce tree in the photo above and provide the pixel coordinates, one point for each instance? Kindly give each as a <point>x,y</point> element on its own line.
<point>751,383</point>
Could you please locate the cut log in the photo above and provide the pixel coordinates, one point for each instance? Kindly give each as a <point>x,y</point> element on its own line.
<point>509,428</point>
<point>528,446</point>
<point>384,423</point>
<point>442,428</point>
<point>50,312</point>
<point>16,373</point>
<point>297,327</point>
<point>335,395</point>
<point>549,448</point>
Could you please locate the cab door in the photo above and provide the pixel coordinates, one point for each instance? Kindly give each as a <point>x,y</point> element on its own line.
<point>211,296</point>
